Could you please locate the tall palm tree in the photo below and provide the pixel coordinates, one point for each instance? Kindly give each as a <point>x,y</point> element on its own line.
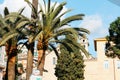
<point>11,29</point>
<point>50,27</point>
<point>21,28</point>
<point>18,26</point>
<point>30,39</point>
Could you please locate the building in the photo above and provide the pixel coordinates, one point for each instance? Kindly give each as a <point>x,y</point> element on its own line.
<point>102,67</point>
<point>50,62</point>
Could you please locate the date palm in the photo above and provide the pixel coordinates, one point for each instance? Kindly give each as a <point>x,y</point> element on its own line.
<point>10,32</point>
<point>50,27</point>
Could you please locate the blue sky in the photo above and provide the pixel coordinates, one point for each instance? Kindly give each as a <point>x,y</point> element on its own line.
<point>98,15</point>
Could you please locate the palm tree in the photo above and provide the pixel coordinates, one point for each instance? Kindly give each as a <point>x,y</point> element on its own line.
<point>11,30</point>
<point>30,45</point>
<point>50,27</point>
<point>18,26</point>
<point>17,33</point>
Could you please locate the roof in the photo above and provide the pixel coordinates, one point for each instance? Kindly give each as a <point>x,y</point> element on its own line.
<point>98,39</point>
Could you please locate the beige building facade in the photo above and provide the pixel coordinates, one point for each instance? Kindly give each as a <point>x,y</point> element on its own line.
<point>102,68</point>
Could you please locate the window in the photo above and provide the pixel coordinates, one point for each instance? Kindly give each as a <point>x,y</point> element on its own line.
<point>106,64</point>
<point>54,60</point>
<point>83,40</point>
<point>118,64</point>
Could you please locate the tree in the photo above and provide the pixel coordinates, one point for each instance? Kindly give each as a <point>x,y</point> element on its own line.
<point>50,27</point>
<point>46,28</point>
<point>10,32</point>
<point>34,7</point>
<point>113,45</point>
<point>70,65</point>
<point>17,27</point>
<point>21,29</point>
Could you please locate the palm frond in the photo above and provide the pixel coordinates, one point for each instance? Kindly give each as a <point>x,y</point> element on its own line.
<point>6,11</point>
<point>87,54</point>
<point>71,18</point>
<point>82,30</point>
<point>67,46</point>
<point>56,21</point>
<point>52,8</point>
<point>21,10</point>
<point>2,22</point>
<point>22,23</point>
<point>13,16</point>
<point>57,10</point>
<point>49,5</point>
<point>54,48</point>
<point>8,36</point>
<point>34,11</point>
<point>66,31</point>
<point>38,36</point>
<point>70,39</point>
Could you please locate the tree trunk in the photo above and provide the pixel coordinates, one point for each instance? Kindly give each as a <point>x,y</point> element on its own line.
<point>35,4</point>
<point>31,46</point>
<point>41,47</point>
<point>10,69</point>
<point>41,61</point>
<point>30,59</point>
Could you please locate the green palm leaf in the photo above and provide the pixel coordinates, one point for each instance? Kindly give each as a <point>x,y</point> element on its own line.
<point>54,48</point>
<point>57,10</point>
<point>6,11</point>
<point>8,36</point>
<point>71,18</point>
<point>82,30</point>
<point>66,31</point>
<point>56,21</point>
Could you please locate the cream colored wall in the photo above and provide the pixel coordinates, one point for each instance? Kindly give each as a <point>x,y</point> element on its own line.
<point>49,66</point>
<point>95,70</point>
<point>91,70</point>
<point>104,74</point>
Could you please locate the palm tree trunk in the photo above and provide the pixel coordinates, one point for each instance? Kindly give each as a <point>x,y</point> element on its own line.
<point>31,47</point>
<point>10,69</point>
<point>41,47</point>
<point>35,4</point>
<point>30,59</point>
<point>41,61</point>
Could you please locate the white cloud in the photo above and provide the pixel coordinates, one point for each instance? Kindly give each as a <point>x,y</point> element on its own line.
<point>92,23</point>
<point>15,5</point>
<point>97,28</point>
